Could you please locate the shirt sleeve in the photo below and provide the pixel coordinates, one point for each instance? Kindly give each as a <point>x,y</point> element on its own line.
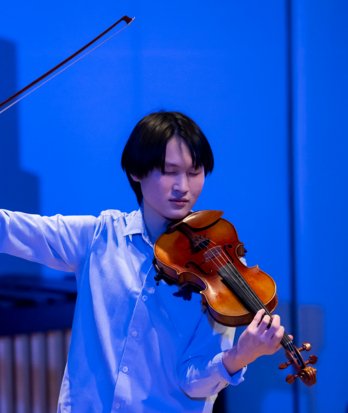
<point>202,372</point>
<point>59,242</point>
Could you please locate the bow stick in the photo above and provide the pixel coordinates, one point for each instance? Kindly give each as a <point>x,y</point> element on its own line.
<point>63,65</point>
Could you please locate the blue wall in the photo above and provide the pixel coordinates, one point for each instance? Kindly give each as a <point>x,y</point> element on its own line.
<point>267,83</point>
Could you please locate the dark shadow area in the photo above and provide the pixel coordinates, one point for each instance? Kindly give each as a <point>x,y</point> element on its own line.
<point>30,304</point>
<point>19,190</point>
<point>220,405</point>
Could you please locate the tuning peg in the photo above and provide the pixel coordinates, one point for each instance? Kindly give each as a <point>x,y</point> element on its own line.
<point>307,375</point>
<point>290,378</point>
<point>284,365</point>
<point>312,359</point>
<point>305,347</point>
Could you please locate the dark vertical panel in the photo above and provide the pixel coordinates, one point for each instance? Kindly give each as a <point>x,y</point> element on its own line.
<point>260,206</point>
<point>19,189</point>
<point>321,147</point>
<point>293,303</point>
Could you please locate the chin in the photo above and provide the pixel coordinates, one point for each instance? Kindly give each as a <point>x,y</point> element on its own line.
<point>179,214</point>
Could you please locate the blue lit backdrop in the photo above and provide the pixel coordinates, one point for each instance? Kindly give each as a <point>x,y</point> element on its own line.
<point>269,89</point>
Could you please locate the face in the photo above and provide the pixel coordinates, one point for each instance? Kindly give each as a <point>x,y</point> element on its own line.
<point>171,195</point>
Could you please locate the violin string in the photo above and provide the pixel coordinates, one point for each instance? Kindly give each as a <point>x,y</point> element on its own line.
<point>37,84</point>
<point>225,262</point>
<point>234,273</point>
<point>248,292</point>
<point>239,281</point>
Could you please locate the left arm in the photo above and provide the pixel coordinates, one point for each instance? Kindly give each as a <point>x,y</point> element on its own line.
<point>262,337</point>
<point>211,362</point>
<point>201,370</point>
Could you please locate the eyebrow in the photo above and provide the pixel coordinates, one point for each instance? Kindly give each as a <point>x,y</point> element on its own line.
<point>175,165</point>
<point>170,164</point>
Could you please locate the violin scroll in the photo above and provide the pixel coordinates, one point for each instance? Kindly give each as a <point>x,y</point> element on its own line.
<point>305,373</point>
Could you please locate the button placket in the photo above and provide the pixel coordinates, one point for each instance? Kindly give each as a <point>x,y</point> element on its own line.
<point>151,290</point>
<point>134,333</point>
<point>133,341</point>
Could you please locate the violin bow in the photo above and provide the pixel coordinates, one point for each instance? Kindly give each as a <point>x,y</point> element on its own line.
<point>64,65</point>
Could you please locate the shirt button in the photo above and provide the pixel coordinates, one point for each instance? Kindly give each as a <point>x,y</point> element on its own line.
<point>144,297</point>
<point>134,333</point>
<point>125,369</point>
<point>151,290</point>
<point>117,405</point>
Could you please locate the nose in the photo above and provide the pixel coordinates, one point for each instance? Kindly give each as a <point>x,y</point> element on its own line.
<point>181,184</point>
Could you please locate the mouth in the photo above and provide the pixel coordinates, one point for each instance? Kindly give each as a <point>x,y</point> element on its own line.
<point>179,202</point>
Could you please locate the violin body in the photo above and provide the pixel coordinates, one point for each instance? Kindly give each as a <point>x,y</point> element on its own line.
<point>202,252</point>
<point>182,265</point>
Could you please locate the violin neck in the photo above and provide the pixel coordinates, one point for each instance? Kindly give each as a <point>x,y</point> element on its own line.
<point>236,283</point>
<point>286,341</point>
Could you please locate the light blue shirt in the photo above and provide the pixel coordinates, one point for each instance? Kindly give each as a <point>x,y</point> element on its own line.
<point>135,346</point>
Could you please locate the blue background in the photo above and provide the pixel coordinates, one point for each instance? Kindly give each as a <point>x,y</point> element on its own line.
<point>266,81</point>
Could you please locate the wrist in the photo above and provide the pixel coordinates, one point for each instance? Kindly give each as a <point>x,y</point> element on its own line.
<point>233,361</point>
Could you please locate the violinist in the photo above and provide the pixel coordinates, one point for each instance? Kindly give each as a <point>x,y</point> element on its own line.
<point>137,345</point>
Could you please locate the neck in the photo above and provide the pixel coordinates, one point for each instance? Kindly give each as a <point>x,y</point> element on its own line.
<point>155,224</point>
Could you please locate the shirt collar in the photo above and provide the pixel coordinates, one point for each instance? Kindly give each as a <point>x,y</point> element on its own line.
<point>134,224</point>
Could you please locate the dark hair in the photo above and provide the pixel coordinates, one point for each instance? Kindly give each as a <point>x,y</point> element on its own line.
<point>145,149</point>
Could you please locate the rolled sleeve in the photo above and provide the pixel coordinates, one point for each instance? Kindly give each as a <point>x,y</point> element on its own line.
<point>202,372</point>
<point>233,379</point>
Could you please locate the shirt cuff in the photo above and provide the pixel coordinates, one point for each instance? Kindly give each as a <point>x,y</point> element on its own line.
<point>233,379</point>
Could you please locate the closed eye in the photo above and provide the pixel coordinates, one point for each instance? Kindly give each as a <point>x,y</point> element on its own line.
<point>170,172</point>
<point>195,172</point>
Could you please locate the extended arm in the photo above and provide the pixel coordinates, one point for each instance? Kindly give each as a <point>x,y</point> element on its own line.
<point>58,242</point>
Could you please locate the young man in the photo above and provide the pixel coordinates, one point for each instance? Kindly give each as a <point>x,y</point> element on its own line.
<point>136,346</point>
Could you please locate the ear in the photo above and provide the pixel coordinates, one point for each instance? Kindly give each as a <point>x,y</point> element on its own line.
<point>135,178</point>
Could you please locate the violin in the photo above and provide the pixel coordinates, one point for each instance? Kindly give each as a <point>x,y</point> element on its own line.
<point>202,253</point>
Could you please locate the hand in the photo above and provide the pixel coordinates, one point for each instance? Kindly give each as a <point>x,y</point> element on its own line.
<point>262,337</point>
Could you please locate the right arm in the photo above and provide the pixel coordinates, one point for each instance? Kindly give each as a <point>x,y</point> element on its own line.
<point>59,242</point>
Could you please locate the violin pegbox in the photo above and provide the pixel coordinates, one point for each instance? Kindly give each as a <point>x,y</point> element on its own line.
<point>306,373</point>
